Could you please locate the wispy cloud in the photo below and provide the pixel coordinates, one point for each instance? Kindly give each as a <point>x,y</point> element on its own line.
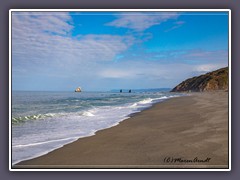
<point>154,74</point>
<point>44,40</point>
<point>141,21</point>
<point>204,68</point>
<point>33,22</point>
<point>200,55</point>
<point>176,25</point>
<point>43,48</point>
<point>193,56</point>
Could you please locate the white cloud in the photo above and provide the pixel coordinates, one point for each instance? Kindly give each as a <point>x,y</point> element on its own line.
<point>116,73</point>
<point>34,22</point>
<point>204,68</point>
<point>40,39</point>
<point>188,56</point>
<point>141,21</point>
<point>154,74</point>
<point>138,69</point>
<point>43,45</point>
<point>176,25</point>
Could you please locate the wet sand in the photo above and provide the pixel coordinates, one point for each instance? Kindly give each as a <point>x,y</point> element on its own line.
<point>183,132</point>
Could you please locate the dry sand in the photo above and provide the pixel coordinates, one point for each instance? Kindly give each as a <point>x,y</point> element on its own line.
<point>170,134</point>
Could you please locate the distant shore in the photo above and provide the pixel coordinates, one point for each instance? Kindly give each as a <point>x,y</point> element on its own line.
<point>182,132</point>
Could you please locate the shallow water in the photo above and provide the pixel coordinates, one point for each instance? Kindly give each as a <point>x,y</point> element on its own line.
<point>44,121</point>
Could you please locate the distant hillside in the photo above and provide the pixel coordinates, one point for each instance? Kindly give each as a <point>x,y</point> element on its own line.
<point>215,80</point>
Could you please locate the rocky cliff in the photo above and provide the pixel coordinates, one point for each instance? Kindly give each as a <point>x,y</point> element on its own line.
<point>216,80</point>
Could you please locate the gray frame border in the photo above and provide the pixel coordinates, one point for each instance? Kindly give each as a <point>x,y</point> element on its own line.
<point>11,168</point>
<point>151,4</point>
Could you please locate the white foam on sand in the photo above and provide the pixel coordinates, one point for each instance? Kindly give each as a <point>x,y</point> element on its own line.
<point>35,138</point>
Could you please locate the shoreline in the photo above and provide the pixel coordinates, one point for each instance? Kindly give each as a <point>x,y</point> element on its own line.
<point>94,133</point>
<point>177,128</point>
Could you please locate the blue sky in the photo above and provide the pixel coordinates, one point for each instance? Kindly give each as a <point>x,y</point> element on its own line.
<point>114,50</point>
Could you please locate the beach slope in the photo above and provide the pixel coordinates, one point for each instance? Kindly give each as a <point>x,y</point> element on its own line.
<point>182,132</point>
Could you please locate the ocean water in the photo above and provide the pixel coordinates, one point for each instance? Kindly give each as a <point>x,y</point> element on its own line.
<point>44,121</point>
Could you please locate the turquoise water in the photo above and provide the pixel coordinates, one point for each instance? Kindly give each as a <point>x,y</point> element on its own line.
<point>44,121</point>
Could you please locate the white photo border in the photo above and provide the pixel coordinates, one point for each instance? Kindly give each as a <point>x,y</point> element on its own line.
<point>119,10</point>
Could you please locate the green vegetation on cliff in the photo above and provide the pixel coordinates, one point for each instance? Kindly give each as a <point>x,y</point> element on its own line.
<point>215,80</point>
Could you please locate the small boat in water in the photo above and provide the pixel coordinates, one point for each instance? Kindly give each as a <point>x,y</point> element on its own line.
<point>78,89</point>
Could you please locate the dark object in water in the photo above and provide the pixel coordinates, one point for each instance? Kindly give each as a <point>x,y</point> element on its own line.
<point>130,91</point>
<point>120,90</point>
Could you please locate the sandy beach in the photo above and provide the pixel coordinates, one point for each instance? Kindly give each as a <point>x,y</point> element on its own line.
<point>182,132</point>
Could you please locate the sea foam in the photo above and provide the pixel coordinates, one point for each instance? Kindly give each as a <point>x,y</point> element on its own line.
<point>41,133</point>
